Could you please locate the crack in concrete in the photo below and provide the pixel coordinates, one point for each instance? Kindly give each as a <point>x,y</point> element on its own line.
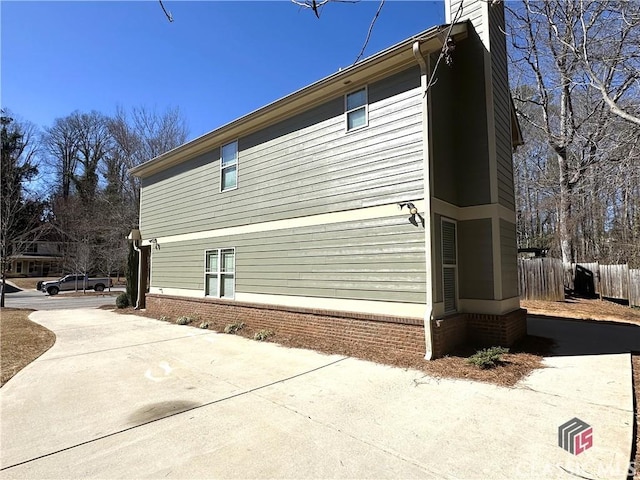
<point>118,432</point>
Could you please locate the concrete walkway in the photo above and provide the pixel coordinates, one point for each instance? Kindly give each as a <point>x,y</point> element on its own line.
<point>121,396</point>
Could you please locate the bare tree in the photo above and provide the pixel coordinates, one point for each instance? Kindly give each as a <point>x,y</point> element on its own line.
<point>60,142</point>
<point>94,145</point>
<point>607,43</point>
<point>140,135</point>
<point>20,215</point>
<point>575,177</point>
<point>572,117</point>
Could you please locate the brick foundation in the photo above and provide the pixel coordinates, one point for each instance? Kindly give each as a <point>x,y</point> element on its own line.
<point>502,330</point>
<point>339,332</point>
<point>481,330</point>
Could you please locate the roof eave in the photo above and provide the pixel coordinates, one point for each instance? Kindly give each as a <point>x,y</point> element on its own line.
<point>383,63</point>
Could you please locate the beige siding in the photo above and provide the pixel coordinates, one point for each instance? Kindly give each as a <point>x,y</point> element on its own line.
<point>302,166</point>
<point>508,259</point>
<point>380,259</point>
<point>475,259</point>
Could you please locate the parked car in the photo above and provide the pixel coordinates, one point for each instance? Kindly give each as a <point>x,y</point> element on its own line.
<point>76,281</point>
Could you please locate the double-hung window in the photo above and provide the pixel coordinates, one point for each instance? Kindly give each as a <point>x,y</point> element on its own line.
<point>219,273</point>
<point>356,109</point>
<point>229,166</point>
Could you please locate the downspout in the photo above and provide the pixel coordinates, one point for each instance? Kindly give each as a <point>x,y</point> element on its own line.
<point>426,165</point>
<point>135,238</point>
<point>139,293</point>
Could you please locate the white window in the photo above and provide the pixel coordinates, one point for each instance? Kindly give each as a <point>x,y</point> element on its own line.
<point>449,266</point>
<point>356,109</point>
<point>219,272</point>
<point>229,166</point>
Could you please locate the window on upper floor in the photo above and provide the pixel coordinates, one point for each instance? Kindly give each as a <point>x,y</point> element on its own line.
<point>356,109</point>
<point>219,273</point>
<point>229,166</point>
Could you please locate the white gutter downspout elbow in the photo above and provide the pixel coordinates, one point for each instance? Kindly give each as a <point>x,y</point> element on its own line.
<point>136,247</point>
<point>428,232</point>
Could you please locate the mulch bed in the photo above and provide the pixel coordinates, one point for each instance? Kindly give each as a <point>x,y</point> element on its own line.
<point>521,360</point>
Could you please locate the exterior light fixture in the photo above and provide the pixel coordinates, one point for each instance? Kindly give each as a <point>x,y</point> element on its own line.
<point>413,213</point>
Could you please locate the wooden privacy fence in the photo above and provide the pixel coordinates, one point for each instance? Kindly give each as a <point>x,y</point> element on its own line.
<point>544,279</point>
<point>541,279</point>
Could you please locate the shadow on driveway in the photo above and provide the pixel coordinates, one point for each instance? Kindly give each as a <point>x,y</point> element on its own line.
<point>585,337</point>
<point>8,288</point>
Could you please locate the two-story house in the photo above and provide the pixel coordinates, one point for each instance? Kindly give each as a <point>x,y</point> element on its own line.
<point>39,258</point>
<point>290,217</point>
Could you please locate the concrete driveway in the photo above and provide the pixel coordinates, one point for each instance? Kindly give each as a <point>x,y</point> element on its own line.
<point>121,396</point>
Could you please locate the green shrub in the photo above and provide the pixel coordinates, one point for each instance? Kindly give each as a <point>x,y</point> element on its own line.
<point>233,328</point>
<point>122,300</point>
<point>204,325</point>
<point>262,335</point>
<point>184,320</point>
<point>488,357</point>
<point>164,318</point>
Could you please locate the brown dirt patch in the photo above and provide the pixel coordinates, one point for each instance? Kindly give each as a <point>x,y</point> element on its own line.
<point>21,342</point>
<point>583,309</point>
<point>29,283</point>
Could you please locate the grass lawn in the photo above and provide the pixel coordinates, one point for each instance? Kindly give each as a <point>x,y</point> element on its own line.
<point>21,341</point>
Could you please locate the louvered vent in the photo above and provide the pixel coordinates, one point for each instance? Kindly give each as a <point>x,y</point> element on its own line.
<point>449,267</point>
<point>449,256</point>
<point>449,280</point>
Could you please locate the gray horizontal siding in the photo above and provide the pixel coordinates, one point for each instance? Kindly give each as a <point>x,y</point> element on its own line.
<point>302,166</point>
<point>508,259</point>
<point>471,10</point>
<point>501,107</point>
<point>459,138</point>
<point>379,259</point>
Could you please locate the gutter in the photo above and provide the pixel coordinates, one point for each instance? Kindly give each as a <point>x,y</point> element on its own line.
<point>428,232</point>
<point>335,84</point>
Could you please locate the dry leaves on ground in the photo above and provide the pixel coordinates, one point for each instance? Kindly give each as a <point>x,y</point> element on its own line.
<point>21,342</point>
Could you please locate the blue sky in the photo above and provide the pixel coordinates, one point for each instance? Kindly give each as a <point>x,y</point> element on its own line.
<point>217,61</point>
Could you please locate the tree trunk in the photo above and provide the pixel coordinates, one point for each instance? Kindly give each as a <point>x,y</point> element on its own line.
<point>565,219</point>
<point>4,285</point>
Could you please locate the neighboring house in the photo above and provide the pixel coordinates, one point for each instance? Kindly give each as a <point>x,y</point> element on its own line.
<point>40,258</point>
<point>289,219</point>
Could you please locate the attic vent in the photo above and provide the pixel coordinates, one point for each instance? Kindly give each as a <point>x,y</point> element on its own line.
<point>449,267</point>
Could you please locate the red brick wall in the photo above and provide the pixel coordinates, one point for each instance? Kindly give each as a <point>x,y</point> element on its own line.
<point>448,333</point>
<point>502,330</point>
<point>343,332</point>
<point>338,332</point>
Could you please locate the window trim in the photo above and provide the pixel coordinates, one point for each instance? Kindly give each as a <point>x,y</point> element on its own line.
<point>453,266</point>
<point>219,273</point>
<point>235,163</point>
<point>365,106</point>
